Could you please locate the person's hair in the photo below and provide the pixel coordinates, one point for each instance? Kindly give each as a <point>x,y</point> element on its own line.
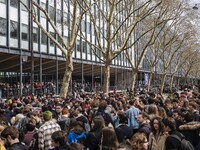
<point>162,112</point>
<point>59,105</point>
<point>160,124</point>
<point>131,102</point>
<point>65,111</point>
<point>103,104</point>
<point>137,141</point>
<point>59,137</point>
<point>109,138</point>
<point>144,115</point>
<point>73,114</point>
<point>170,122</point>
<point>123,118</point>
<point>12,131</point>
<point>30,126</point>
<point>75,146</point>
<point>95,103</point>
<point>47,115</point>
<point>152,110</point>
<point>98,123</point>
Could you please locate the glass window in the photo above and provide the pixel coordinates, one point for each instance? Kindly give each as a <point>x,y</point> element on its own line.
<point>59,16</point>
<point>83,26</point>
<point>2,1</point>
<point>26,2</point>
<point>14,3</point>
<point>78,47</point>
<point>88,28</point>
<point>65,38</point>
<point>35,35</point>
<point>24,32</point>
<point>84,47</point>
<point>52,12</point>
<point>51,42</point>
<point>44,38</point>
<point>13,29</point>
<point>3,26</point>
<point>44,7</point>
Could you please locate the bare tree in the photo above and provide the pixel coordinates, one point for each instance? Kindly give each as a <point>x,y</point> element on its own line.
<point>71,21</point>
<point>114,23</point>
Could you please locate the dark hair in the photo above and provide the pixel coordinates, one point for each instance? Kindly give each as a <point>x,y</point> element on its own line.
<point>59,137</point>
<point>75,146</point>
<point>170,122</point>
<point>12,131</point>
<point>98,123</point>
<point>30,126</point>
<point>123,118</point>
<point>109,138</point>
<point>160,123</point>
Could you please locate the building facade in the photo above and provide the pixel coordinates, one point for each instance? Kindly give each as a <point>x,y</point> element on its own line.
<point>28,55</point>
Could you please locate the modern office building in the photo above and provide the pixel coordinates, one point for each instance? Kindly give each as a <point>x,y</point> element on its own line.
<point>27,53</point>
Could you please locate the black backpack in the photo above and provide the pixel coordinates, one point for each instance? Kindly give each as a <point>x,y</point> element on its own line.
<point>185,144</point>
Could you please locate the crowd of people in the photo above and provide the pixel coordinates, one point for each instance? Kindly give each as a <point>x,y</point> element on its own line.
<point>114,121</point>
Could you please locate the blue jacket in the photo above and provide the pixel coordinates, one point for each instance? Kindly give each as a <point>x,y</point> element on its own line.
<point>74,137</point>
<point>132,114</point>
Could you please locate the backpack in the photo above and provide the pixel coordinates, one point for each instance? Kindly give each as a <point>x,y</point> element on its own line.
<point>64,123</point>
<point>185,144</point>
<point>34,142</point>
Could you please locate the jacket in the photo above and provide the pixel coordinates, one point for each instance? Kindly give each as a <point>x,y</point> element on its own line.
<point>74,137</point>
<point>145,128</point>
<point>171,143</point>
<point>158,144</point>
<point>191,132</point>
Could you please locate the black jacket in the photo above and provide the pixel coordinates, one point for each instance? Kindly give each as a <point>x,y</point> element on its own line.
<point>93,140</point>
<point>172,143</point>
<point>123,132</point>
<point>18,146</point>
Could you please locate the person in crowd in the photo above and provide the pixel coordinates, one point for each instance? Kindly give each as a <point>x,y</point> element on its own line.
<point>31,136</point>
<point>58,111</point>
<point>152,111</point>
<point>64,120</point>
<point>157,137</point>
<point>177,117</point>
<point>109,139</point>
<point>170,130</point>
<point>106,116</point>
<point>144,126</point>
<point>77,133</point>
<point>175,104</point>
<point>190,129</point>
<point>59,141</point>
<point>123,131</point>
<point>75,146</point>
<point>162,113</point>
<point>46,130</point>
<point>139,141</point>
<point>94,136</point>
<point>132,114</point>
<point>10,136</point>
<point>2,147</point>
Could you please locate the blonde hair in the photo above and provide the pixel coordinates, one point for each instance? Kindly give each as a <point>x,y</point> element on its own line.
<point>137,141</point>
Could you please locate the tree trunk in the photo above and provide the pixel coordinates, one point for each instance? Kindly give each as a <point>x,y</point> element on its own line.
<point>163,82</point>
<point>133,79</point>
<point>149,81</point>
<point>106,80</point>
<point>67,76</point>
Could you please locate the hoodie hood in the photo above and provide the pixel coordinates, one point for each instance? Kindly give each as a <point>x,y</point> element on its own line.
<point>190,126</point>
<point>74,137</point>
